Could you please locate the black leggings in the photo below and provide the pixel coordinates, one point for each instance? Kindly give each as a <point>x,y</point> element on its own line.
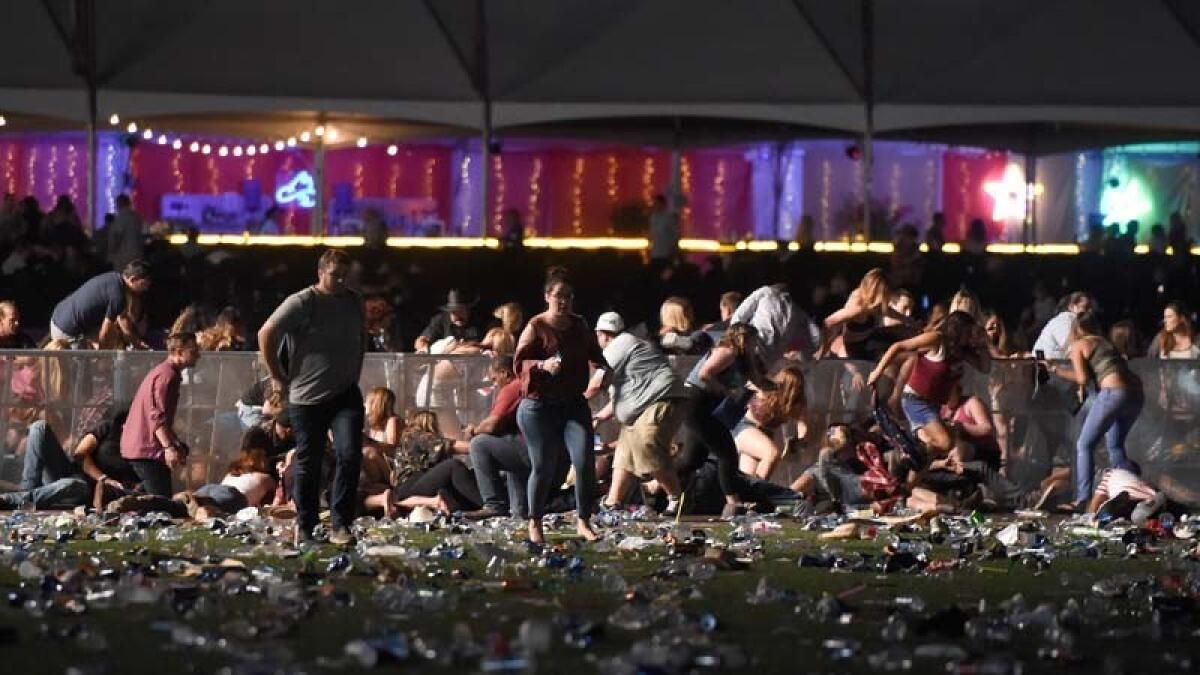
<point>451,478</point>
<point>704,435</point>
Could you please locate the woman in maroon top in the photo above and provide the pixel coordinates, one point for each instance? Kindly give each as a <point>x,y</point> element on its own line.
<point>552,360</point>
<point>937,360</point>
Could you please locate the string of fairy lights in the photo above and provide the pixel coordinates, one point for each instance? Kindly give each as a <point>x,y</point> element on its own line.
<point>319,134</point>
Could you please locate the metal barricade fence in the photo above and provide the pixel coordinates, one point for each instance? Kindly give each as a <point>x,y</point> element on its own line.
<point>72,389</point>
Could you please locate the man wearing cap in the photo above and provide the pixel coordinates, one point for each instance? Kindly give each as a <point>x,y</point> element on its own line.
<point>646,397</point>
<point>453,321</point>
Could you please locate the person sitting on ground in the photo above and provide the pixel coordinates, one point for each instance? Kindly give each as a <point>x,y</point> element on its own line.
<point>755,434</point>
<point>837,475</point>
<point>149,440</point>
<point>425,472</point>
<point>97,311</point>
<point>49,475</point>
<point>647,399</point>
<point>11,335</point>
<point>248,482</point>
<point>259,403</point>
<point>496,446</point>
<point>453,321</point>
<point>383,425</point>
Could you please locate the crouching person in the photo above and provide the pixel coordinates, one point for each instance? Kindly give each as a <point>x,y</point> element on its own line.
<point>647,398</point>
<point>496,448</point>
<point>149,441</point>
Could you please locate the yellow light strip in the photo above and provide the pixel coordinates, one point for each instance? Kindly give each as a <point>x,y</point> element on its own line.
<point>587,243</point>
<point>700,245</point>
<point>621,243</point>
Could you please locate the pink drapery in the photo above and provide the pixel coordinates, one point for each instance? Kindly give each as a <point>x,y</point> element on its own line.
<point>562,192</point>
<point>45,167</point>
<point>964,175</point>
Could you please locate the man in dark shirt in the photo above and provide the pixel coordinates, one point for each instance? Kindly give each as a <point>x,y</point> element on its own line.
<point>11,336</point>
<point>51,479</point>
<point>453,321</point>
<point>97,309</point>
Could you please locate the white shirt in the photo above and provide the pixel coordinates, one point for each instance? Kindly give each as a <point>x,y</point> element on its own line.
<point>781,325</point>
<point>1056,336</point>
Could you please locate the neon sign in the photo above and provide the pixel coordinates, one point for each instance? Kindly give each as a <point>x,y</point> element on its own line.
<point>300,190</point>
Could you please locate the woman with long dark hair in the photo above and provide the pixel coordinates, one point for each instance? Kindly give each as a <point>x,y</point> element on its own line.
<point>552,360</point>
<point>717,385</point>
<point>936,370</point>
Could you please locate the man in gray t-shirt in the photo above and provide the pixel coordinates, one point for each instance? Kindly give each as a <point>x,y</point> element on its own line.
<point>323,330</point>
<point>646,397</point>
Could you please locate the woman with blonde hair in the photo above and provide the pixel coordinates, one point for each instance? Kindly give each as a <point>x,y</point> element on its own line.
<point>966,301</point>
<point>502,339</point>
<point>756,434</point>
<point>860,318</point>
<point>425,472</point>
<point>383,425</point>
<point>676,322</point>
<point>226,334</point>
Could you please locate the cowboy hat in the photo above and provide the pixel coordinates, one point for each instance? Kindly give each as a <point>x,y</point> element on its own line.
<point>456,299</point>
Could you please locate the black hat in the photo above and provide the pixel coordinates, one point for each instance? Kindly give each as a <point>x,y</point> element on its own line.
<point>456,299</point>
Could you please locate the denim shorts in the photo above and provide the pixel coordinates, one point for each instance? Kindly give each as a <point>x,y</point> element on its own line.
<point>919,411</point>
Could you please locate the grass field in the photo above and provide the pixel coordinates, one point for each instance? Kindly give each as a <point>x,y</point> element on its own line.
<point>177,601</point>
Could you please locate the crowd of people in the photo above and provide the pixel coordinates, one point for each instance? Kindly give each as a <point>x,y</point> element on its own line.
<point>708,439</point>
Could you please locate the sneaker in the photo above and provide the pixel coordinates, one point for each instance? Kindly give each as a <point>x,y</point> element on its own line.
<point>341,536</point>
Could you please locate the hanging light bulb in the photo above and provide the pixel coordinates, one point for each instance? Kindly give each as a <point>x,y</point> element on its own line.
<point>264,148</point>
<point>147,134</point>
<point>362,141</point>
<point>305,136</point>
<point>279,145</point>
<point>114,119</point>
<point>132,128</point>
<point>223,151</point>
<point>177,144</point>
<point>194,147</point>
<point>237,151</point>
<point>291,142</point>
<point>162,140</point>
<point>392,150</point>
<point>319,131</point>
<point>251,150</point>
<point>3,122</point>
<point>206,149</point>
<point>333,135</point>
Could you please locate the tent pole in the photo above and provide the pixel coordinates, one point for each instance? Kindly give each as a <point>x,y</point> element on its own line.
<point>868,158</point>
<point>321,224</point>
<point>483,86</point>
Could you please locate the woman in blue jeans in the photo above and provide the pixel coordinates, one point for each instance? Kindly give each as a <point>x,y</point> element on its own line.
<point>552,360</point>
<point>1115,408</point>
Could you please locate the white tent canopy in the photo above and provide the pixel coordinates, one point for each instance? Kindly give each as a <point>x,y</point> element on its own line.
<point>1119,63</point>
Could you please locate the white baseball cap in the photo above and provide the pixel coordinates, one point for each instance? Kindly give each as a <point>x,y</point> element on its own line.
<point>610,322</point>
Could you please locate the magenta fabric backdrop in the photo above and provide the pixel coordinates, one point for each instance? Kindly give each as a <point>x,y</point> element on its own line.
<point>45,167</point>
